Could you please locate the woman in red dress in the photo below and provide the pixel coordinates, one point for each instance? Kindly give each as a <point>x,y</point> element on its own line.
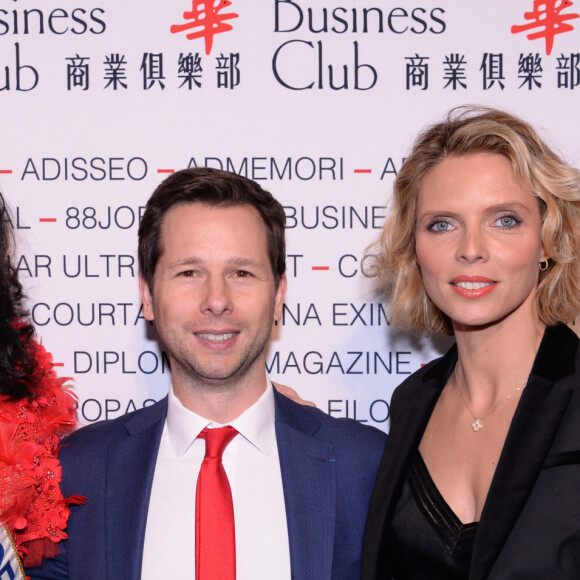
<point>36,411</point>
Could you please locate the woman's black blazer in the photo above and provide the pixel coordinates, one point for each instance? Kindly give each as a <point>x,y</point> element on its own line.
<point>530,524</point>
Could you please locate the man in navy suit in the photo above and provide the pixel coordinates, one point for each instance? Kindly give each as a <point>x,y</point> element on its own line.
<point>212,280</point>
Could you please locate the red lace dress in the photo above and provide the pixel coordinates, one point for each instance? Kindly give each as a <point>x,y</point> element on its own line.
<point>32,507</point>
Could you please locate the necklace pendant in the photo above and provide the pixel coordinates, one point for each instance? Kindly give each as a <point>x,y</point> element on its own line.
<point>477,425</point>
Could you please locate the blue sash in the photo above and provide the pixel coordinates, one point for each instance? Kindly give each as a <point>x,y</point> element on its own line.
<point>10,564</point>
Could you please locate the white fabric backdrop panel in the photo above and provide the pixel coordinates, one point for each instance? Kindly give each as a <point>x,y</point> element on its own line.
<point>318,101</point>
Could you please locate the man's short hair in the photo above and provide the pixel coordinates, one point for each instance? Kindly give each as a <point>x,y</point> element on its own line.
<point>214,188</point>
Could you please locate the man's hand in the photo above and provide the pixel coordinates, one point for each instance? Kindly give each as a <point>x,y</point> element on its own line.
<point>292,394</point>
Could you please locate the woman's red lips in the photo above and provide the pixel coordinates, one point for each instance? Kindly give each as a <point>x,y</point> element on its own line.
<point>473,286</point>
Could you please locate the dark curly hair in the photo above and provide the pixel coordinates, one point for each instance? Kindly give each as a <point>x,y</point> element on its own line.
<point>19,371</point>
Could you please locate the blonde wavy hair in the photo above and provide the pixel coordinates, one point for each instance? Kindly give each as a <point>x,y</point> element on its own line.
<point>466,131</point>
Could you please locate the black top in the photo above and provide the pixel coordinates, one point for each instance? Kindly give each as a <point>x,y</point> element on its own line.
<point>426,539</point>
<point>530,522</point>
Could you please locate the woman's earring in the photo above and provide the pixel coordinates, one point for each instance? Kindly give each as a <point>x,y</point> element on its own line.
<point>544,264</point>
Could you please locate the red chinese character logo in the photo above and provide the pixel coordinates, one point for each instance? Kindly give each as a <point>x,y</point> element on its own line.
<point>205,20</point>
<point>546,16</point>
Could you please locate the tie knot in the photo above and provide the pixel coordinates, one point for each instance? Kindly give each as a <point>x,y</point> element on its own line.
<point>216,440</point>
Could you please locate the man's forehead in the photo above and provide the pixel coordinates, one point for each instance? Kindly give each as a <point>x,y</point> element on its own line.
<point>201,213</point>
<point>239,261</point>
<point>198,231</point>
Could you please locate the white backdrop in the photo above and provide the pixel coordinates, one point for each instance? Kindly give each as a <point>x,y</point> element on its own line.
<point>317,100</point>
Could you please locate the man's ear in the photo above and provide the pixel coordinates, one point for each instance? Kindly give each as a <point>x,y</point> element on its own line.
<point>279,297</point>
<point>146,298</point>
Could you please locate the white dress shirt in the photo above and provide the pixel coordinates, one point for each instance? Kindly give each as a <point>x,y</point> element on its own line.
<point>253,469</point>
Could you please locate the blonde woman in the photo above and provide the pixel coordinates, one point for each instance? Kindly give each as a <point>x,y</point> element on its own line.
<point>481,474</point>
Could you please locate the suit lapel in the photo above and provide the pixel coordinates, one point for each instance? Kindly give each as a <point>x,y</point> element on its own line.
<point>309,482</point>
<point>530,436</point>
<point>130,468</point>
<point>408,422</point>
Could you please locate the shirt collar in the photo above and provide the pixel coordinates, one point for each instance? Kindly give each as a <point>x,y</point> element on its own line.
<point>255,424</point>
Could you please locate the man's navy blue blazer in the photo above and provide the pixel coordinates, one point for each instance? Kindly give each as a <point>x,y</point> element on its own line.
<point>328,470</point>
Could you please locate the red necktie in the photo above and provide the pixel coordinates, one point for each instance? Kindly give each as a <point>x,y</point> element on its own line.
<point>215,546</point>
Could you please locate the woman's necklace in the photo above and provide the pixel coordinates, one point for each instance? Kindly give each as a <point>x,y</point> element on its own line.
<point>478,421</point>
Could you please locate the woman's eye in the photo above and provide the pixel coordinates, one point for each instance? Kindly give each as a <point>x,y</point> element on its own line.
<point>440,226</point>
<point>507,221</point>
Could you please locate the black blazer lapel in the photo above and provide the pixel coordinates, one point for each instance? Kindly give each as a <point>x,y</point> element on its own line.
<point>529,438</point>
<point>412,406</point>
<point>130,468</point>
<point>309,482</point>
